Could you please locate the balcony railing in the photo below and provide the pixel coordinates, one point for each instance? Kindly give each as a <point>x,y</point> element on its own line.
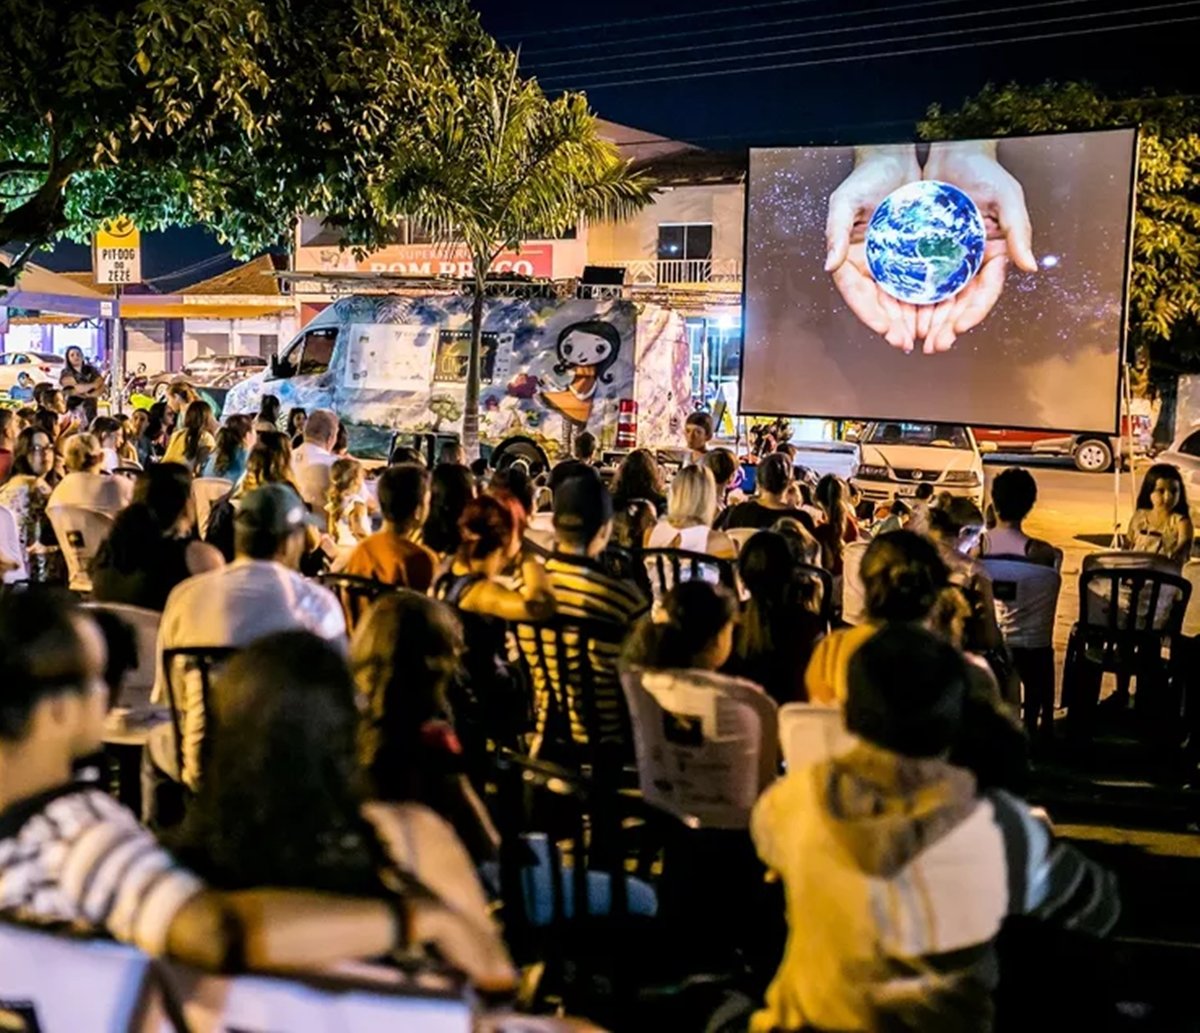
<point>651,272</point>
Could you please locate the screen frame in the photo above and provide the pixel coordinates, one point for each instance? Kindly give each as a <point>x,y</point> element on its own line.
<point>1123,343</point>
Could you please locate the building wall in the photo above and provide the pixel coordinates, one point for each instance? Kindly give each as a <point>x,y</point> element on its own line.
<point>721,205</point>
<point>237,336</point>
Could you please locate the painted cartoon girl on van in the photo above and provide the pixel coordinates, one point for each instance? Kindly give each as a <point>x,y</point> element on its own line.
<point>587,349</point>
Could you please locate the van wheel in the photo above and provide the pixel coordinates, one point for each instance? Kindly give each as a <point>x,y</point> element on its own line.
<point>1093,456</point>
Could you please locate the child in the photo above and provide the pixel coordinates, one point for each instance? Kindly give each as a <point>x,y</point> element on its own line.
<point>346,508</point>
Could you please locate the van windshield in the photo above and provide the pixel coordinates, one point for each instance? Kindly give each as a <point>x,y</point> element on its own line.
<point>939,435</point>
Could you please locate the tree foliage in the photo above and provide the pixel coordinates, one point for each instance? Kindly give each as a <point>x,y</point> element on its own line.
<point>237,113</point>
<point>496,162</point>
<point>1165,279</point>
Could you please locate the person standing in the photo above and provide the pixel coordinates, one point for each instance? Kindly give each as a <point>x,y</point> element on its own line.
<point>8,441</point>
<point>80,379</point>
<point>697,432</point>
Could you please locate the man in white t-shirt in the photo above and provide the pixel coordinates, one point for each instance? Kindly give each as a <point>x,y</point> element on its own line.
<point>312,460</point>
<point>84,484</point>
<point>256,595</point>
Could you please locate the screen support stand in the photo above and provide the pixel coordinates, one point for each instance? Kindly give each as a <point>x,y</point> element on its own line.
<point>1124,449</point>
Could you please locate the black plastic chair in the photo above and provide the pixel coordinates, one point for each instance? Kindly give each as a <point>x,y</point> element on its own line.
<point>1128,617</point>
<point>580,714</point>
<point>356,594</point>
<point>668,567</point>
<point>204,662</point>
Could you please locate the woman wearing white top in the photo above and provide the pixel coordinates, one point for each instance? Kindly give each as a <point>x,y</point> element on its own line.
<point>691,509</point>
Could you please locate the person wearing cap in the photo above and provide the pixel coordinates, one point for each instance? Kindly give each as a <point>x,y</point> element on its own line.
<point>582,589</point>
<point>259,593</point>
<point>899,872</point>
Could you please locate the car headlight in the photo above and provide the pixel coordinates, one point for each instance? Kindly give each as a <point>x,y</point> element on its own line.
<point>967,477</point>
<point>877,473</point>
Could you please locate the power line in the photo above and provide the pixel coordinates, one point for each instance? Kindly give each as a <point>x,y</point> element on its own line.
<point>656,18</point>
<point>886,54</point>
<point>690,48</point>
<point>593,44</point>
<point>557,81</point>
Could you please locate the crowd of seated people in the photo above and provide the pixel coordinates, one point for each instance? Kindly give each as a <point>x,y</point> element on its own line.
<point>339,763</point>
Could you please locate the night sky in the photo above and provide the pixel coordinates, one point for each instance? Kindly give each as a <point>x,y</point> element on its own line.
<point>855,98</point>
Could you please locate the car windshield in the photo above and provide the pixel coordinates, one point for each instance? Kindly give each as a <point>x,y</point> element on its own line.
<point>939,435</point>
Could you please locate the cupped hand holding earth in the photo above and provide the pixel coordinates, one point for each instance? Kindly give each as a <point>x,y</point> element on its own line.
<point>971,166</point>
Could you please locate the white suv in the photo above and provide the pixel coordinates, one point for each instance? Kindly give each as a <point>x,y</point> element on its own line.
<point>895,458</point>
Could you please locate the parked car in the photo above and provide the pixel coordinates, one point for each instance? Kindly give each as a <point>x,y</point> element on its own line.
<point>39,365</point>
<point>210,368</point>
<point>1092,453</point>
<point>895,458</point>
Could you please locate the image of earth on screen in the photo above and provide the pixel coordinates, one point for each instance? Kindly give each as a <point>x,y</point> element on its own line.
<point>978,281</point>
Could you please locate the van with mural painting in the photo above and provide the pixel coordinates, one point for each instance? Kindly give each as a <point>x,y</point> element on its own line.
<point>388,363</point>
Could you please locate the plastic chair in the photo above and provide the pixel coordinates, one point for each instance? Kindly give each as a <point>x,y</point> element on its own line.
<point>706,744</point>
<point>356,594</point>
<point>135,692</point>
<point>188,675</point>
<point>366,999</point>
<point>580,715</point>
<point>741,535</point>
<point>80,532</point>
<point>809,734</point>
<point>52,982</point>
<point>10,547</point>
<point>206,491</point>
<point>667,567</point>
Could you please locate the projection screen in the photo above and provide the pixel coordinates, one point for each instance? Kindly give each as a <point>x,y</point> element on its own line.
<point>979,282</point>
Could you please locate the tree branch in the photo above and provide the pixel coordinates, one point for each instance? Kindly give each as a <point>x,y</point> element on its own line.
<point>19,165</point>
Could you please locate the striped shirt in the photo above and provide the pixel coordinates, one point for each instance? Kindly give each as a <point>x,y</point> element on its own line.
<point>75,856</point>
<point>582,590</point>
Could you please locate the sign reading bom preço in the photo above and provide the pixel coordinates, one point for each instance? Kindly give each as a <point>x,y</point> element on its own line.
<point>118,252</point>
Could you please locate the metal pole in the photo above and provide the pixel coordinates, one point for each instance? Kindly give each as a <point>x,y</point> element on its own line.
<point>117,367</point>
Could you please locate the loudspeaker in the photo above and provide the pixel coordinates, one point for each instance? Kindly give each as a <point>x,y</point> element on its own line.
<point>605,275</point>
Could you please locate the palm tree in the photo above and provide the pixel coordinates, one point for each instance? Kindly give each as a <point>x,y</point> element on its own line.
<point>498,162</point>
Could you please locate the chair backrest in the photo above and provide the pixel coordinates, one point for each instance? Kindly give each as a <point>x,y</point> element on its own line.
<point>1191,618</point>
<point>1132,601</point>
<point>809,733</point>
<point>741,535</point>
<point>135,692</point>
<point>188,675</point>
<point>854,596</point>
<point>356,594</point>
<point>51,982</point>
<point>706,744</point>
<point>579,710</point>
<point>80,532</point>
<point>205,492</point>
<point>1125,559</point>
<point>1026,598</point>
<point>10,546</point>
<point>383,1002</point>
<point>667,567</point>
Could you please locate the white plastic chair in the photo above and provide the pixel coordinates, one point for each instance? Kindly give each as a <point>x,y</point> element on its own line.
<point>206,492</point>
<point>378,1002</point>
<point>809,734</point>
<point>80,532</point>
<point>854,597</point>
<point>54,982</point>
<point>10,546</point>
<point>705,744</point>
<point>1026,598</point>
<point>135,692</point>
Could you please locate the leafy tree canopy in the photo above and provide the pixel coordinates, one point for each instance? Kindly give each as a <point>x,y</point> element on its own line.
<point>1165,279</point>
<point>236,113</point>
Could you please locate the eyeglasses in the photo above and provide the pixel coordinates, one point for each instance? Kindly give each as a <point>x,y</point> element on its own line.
<point>41,448</point>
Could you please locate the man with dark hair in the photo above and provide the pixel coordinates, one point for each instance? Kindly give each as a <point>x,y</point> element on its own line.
<point>583,516</point>
<point>393,555</point>
<point>584,447</point>
<point>899,872</point>
<point>312,460</point>
<point>259,593</point>
<point>583,451</point>
<point>71,855</point>
<point>724,466</point>
<point>452,454</point>
<point>698,432</point>
<point>1014,493</point>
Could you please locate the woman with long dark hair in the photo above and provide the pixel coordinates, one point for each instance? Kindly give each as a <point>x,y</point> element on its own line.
<point>779,626</point>
<point>405,655</point>
<point>639,477</point>
<point>1162,523</point>
<point>232,450</point>
<point>451,487</point>
<point>26,493</point>
<point>80,379</point>
<point>840,528</point>
<point>152,546</point>
<point>268,414</point>
<point>194,443</point>
<point>283,803</point>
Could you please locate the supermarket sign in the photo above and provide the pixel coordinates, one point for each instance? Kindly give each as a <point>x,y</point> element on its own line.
<point>429,260</point>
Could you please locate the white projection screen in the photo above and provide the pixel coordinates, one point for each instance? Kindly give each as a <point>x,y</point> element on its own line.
<point>979,282</point>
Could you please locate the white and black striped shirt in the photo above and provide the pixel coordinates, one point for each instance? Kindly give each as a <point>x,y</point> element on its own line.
<point>75,856</point>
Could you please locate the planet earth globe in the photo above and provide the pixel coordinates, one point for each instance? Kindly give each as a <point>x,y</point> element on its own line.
<point>925,242</point>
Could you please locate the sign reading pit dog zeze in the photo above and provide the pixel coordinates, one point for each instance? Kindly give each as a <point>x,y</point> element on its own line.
<point>118,252</point>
